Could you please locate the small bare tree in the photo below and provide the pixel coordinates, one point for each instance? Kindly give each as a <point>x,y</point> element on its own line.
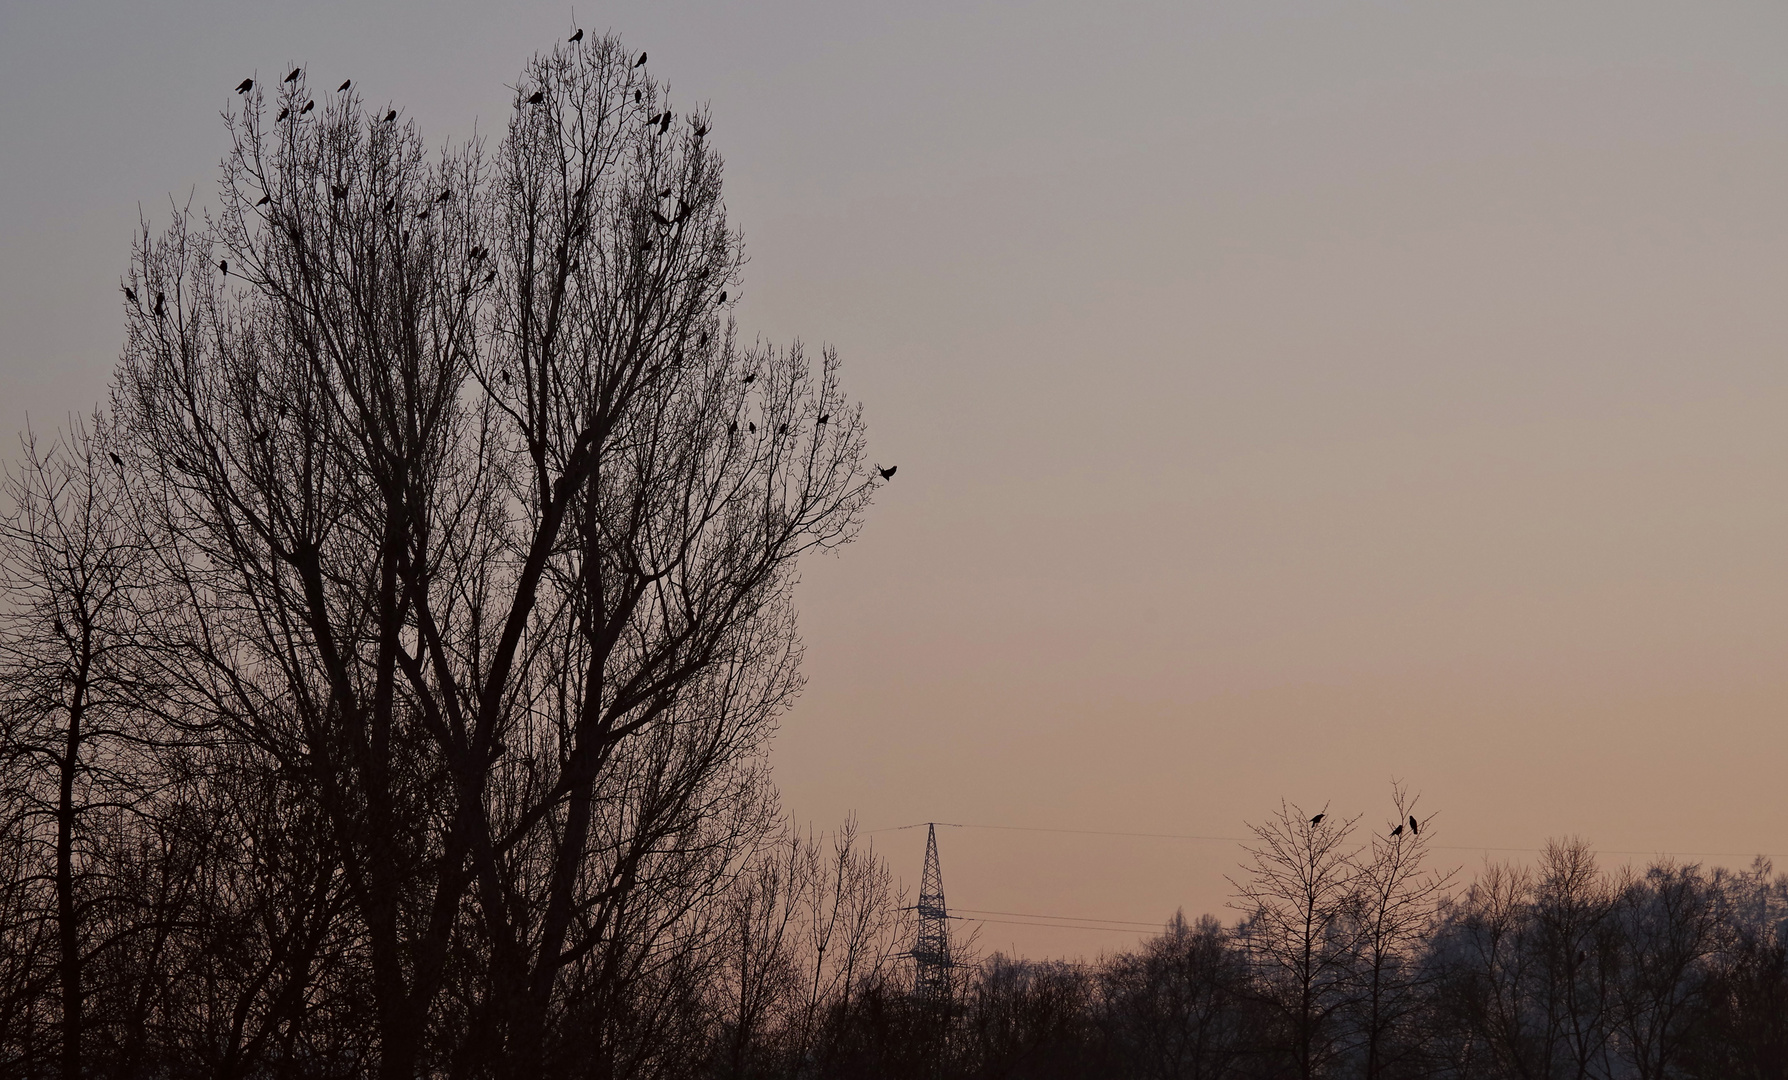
<point>1296,899</point>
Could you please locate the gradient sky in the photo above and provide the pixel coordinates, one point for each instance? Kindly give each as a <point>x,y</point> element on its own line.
<point>1287,396</point>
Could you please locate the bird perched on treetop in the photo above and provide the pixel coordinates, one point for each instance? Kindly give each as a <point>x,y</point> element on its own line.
<point>283,113</point>
<point>1317,820</point>
<point>577,37</point>
<point>293,77</point>
<point>1413,831</point>
<point>537,97</point>
<point>887,473</point>
<point>823,417</point>
<point>308,106</point>
<point>390,116</point>
<point>665,124</point>
<point>446,193</point>
<point>641,60</point>
<point>1398,831</point>
<point>245,86</point>
<point>130,294</point>
<point>345,84</point>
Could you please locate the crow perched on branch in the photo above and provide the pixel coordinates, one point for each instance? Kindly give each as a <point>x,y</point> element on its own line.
<point>537,97</point>
<point>390,116</point>
<point>308,106</point>
<point>1317,820</point>
<point>1398,831</point>
<point>345,84</point>
<point>245,86</point>
<point>293,77</point>
<point>1413,830</point>
<point>577,37</point>
<point>641,60</point>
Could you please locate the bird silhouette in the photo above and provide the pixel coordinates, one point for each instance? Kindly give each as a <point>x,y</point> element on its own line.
<point>283,113</point>
<point>390,116</point>
<point>446,193</point>
<point>116,460</point>
<point>661,219</point>
<point>58,627</point>
<point>345,84</point>
<point>180,463</point>
<point>1413,830</point>
<point>636,97</point>
<point>224,265</point>
<point>751,428</point>
<point>579,36</point>
<point>654,118</point>
<point>732,428</point>
<point>161,305</point>
<point>390,205</point>
<point>477,253</point>
<point>293,77</point>
<point>665,124</point>
<point>641,60</point>
<point>422,215</point>
<point>1317,820</point>
<point>782,429</point>
<point>723,296</point>
<point>490,276</point>
<point>700,130</point>
<point>887,473</point>
<point>130,294</point>
<point>749,379</point>
<point>308,106</point>
<point>265,199</point>
<point>340,192</point>
<point>823,417</point>
<point>1398,831</point>
<point>537,97</point>
<point>245,86</point>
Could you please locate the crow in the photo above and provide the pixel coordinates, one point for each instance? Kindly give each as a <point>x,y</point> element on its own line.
<point>645,245</point>
<point>654,118</point>
<point>782,429</point>
<point>636,97</point>
<point>752,428</point>
<point>732,428</point>
<point>308,106</point>
<point>579,36</point>
<point>1398,831</point>
<point>573,267</point>
<point>505,376</point>
<point>700,130</point>
<point>1317,820</point>
<point>390,116</point>
<point>293,77</point>
<point>446,193</point>
<point>245,86</point>
<point>422,215</point>
<point>224,265</point>
<point>683,209</point>
<point>116,460</point>
<point>665,124</point>
<point>261,438</point>
<point>661,219</point>
<point>283,113</point>
<point>130,294</point>
<point>823,417</point>
<point>749,379</point>
<point>180,463</point>
<point>344,86</point>
<point>490,276</point>
<point>641,60</point>
<point>339,192</point>
<point>476,253</point>
<point>1413,830</point>
<point>58,627</point>
<point>265,199</point>
<point>887,473</point>
<point>161,305</point>
<point>537,97</point>
<point>723,296</point>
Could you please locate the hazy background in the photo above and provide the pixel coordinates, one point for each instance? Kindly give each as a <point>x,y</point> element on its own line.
<point>1287,396</point>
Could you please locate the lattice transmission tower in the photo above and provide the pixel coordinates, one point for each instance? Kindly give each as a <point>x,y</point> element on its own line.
<point>931,951</point>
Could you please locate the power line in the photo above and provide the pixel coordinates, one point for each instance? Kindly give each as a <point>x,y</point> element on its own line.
<point>1061,926</point>
<point>1154,925</point>
<point>1249,839</point>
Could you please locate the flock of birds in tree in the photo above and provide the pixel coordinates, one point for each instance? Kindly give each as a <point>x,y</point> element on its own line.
<point>1414,829</point>
<point>478,253</point>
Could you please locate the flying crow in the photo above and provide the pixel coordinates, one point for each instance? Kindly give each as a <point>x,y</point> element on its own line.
<point>887,473</point>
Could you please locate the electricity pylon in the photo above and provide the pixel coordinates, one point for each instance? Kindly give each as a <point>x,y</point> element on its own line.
<point>931,951</point>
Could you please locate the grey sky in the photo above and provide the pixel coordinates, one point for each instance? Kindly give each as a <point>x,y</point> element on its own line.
<point>1286,396</point>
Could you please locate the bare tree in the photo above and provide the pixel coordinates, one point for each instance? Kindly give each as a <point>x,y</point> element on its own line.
<point>475,521</point>
<point>1296,926</point>
<point>1395,899</point>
